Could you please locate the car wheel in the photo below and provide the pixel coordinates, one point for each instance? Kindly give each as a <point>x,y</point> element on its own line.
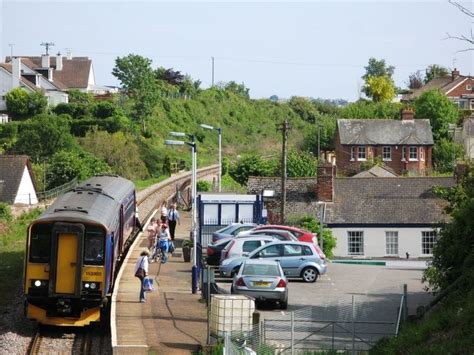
<point>309,274</point>
<point>284,304</point>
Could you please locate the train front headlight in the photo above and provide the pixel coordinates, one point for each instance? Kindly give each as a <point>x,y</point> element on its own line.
<point>93,286</point>
<point>39,283</point>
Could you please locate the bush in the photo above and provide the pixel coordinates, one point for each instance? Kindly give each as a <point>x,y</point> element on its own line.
<point>17,101</point>
<point>5,212</point>
<point>203,186</point>
<point>251,165</point>
<point>311,224</point>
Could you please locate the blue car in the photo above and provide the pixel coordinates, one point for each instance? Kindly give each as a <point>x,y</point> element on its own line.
<point>297,259</point>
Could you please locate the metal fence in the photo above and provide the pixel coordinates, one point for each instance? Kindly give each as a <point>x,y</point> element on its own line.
<point>351,326</point>
<point>57,191</point>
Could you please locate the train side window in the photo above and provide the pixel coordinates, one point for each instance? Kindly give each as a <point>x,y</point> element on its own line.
<point>40,243</point>
<point>94,248</point>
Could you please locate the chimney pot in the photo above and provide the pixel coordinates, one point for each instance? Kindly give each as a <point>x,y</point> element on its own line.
<point>59,62</point>
<point>407,114</point>
<point>45,61</point>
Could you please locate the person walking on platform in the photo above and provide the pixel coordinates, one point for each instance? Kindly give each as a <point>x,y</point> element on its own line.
<point>164,212</point>
<point>164,241</point>
<point>141,271</point>
<point>173,218</point>
<point>152,230</point>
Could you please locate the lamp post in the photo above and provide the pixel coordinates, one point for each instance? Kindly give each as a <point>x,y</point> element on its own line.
<point>219,131</point>
<point>192,144</point>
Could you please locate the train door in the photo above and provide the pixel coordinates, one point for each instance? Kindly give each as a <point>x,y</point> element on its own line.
<point>66,263</point>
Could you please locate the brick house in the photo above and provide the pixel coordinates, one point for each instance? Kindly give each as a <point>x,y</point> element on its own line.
<point>458,88</point>
<point>369,216</point>
<point>404,145</point>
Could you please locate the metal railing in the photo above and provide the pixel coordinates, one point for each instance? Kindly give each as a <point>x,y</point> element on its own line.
<point>57,191</point>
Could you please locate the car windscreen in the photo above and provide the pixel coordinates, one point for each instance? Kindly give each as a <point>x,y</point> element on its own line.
<point>261,270</point>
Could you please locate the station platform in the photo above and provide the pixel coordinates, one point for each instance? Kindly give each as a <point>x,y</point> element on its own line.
<point>173,320</point>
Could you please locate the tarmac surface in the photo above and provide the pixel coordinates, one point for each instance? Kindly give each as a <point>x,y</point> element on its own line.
<point>173,320</point>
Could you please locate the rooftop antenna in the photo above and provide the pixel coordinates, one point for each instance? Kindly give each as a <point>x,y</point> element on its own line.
<point>47,45</point>
<point>11,50</point>
<point>454,62</point>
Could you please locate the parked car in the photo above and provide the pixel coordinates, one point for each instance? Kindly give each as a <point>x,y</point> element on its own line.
<point>244,245</point>
<point>297,259</point>
<point>231,230</point>
<point>263,280</point>
<point>301,234</point>
<point>278,234</point>
<point>214,250</point>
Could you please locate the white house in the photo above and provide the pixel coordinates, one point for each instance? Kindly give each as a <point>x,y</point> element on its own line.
<point>17,184</point>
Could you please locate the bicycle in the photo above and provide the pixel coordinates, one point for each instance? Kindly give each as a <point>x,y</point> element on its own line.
<point>157,254</point>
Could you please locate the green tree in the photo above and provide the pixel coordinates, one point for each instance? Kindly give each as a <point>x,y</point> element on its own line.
<point>104,109</point>
<point>415,80</point>
<point>435,106</point>
<point>64,166</point>
<point>376,68</point>
<point>43,135</point>
<point>233,87</point>
<point>300,164</point>
<point>369,109</point>
<point>251,165</point>
<point>138,78</point>
<point>445,154</point>
<point>304,108</point>
<point>79,97</point>
<point>17,101</point>
<point>381,88</point>
<point>435,71</point>
<point>453,255</point>
<point>37,103</point>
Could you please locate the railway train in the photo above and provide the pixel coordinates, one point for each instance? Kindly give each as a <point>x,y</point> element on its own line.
<point>72,252</point>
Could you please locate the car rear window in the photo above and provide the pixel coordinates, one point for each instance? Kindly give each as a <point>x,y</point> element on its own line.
<point>251,245</point>
<point>264,270</point>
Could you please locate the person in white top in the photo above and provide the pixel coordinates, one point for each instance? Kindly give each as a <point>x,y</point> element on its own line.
<point>142,262</point>
<point>173,218</point>
<point>164,212</point>
<point>152,230</point>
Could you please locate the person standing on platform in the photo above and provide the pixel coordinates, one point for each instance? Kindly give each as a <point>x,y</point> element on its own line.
<point>164,212</point>
<point>142,263</point>
<point>173,218</point>
<point>152,230</point>
<point>164,241</point>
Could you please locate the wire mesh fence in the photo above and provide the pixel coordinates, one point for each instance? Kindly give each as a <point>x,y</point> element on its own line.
<point>350,326</point>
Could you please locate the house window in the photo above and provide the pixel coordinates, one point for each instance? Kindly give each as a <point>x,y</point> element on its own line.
<point>468,87</point>
<point>428,241</point>
<point>422,153</point>
<point>404,153</point>
<point>352,153</point>
<point>355,242</point>
<point>391,243</point>
<point>413,153</point>
<point>472,105</point>
<point>362,154</point>
<point>387,153</point>
<point>462,104</point>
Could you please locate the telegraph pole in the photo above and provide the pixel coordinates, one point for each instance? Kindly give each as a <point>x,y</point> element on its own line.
<point>284,130</point>
<point>212,72</point>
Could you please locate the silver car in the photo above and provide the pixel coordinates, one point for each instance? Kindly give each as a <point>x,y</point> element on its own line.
<point>263,280</point>
<point>244,245</point>
<point>297,259</point>
<point>231,230</point>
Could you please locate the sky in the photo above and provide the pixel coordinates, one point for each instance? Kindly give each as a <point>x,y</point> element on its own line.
<point>312,48</point>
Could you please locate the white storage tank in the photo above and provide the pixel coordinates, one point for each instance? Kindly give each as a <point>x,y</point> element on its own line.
<point>231,313</point>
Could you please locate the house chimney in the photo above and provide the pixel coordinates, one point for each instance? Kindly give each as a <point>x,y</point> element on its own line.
<point>45,61</point>
<point>455,74</point>
<point>407,114</point>
<point>325,182</point>
<point>16,72</point>
<point>59,62</point>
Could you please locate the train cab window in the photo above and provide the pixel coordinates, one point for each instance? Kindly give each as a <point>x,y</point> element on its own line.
<point>40,243</point>
<point>94,246</point>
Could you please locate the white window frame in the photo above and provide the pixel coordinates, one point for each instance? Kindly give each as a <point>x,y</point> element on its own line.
<point>387,155</point>
<point>462,104</point>
<point>413,149</point>
<point>472,104</point>
<point>428,241</point>
<point>361,149</point>
<point>391,243</point>
<point>352,153</point>
<point>355,241</point>
<point>404,153</point>
<point>468,87</point>
<point>422,153</point>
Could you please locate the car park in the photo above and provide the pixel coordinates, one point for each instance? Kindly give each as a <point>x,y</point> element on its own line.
<point>262,280</point>
<point>243,246</point>
<point>231,230</point>
<point>297,259</point>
